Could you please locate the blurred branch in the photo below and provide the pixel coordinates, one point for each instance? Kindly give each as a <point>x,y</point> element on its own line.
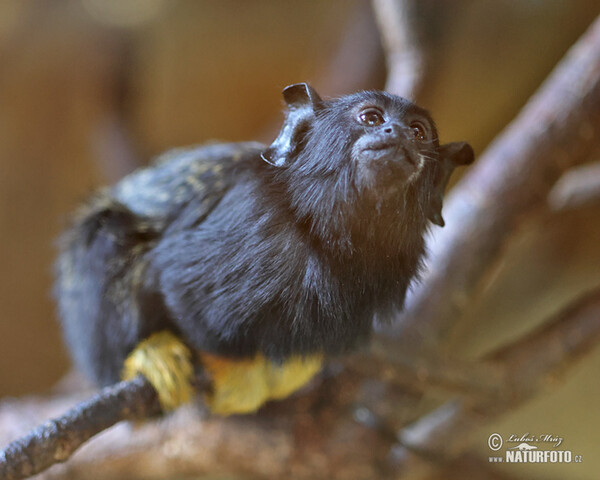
<point>329,407</point>
<point>113,146</point>
<point>557,129</point>
<point>384,361</point>
<point>357,62</point>
<point>404,54</point>
<point>530,365</point>
<point>577,188</point>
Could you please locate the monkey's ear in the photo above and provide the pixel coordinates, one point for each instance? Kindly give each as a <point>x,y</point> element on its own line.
<point>302,101</point>
<point>451,156</point>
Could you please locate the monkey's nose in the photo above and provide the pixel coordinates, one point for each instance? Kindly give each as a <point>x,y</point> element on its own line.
<point>395,131</point>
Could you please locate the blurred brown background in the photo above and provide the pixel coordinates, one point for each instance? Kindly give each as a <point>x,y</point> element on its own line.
<point>91,89</point>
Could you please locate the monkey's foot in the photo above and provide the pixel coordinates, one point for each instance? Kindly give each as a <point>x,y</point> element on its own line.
<point>243,386</point>
<point>166,362</point>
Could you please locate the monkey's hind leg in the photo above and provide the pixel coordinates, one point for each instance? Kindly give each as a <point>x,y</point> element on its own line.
<point>243,386</point>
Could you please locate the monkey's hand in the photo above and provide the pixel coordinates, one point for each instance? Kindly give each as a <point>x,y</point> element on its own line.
<point>243,386</point>
<point>166,363</point>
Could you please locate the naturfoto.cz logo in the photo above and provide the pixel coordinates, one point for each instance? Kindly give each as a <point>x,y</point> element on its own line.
<point>529,448</point>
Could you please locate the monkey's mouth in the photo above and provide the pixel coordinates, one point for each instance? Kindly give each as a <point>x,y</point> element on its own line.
<point>391,149</point>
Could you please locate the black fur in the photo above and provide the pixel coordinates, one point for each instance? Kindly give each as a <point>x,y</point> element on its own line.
<point>294,255</point>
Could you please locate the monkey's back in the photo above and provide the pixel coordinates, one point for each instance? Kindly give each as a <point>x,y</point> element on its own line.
<point>202,174</point>
<point>102,262</point>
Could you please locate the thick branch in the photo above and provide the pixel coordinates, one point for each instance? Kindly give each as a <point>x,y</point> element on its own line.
<point>312,435</point>
<point>56,440</point>
<point>557,129</point>
<point>527,364</point>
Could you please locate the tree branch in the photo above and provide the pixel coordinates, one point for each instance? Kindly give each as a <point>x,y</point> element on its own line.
<point>530,364</point>
<point>358,58</point>
<point>579,187</point>
<point>310,435</point>
<point>418,374</point>
<point>404,54</point>
<point>558,128</point>
<point>56,440</point>
<point>314,434</point>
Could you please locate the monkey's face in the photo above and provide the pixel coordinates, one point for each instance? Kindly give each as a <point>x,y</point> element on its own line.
<point>363,150</point>
<point>392,142</point>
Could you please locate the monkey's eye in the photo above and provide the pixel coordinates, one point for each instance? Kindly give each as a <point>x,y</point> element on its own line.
<point>419,131</point>
<point>371,117</point>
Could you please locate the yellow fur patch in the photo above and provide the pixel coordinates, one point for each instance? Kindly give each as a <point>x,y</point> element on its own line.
<point>166,362</point>
<point>243,386</point>
<point>238,386</point>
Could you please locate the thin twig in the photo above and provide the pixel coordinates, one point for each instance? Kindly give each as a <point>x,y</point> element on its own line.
<point>57,439</point>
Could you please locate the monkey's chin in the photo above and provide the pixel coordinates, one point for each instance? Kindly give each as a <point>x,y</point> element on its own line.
<point>384,179</point>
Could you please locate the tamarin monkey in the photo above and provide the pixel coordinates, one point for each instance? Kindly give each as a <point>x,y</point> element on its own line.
<point>255,262</point>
